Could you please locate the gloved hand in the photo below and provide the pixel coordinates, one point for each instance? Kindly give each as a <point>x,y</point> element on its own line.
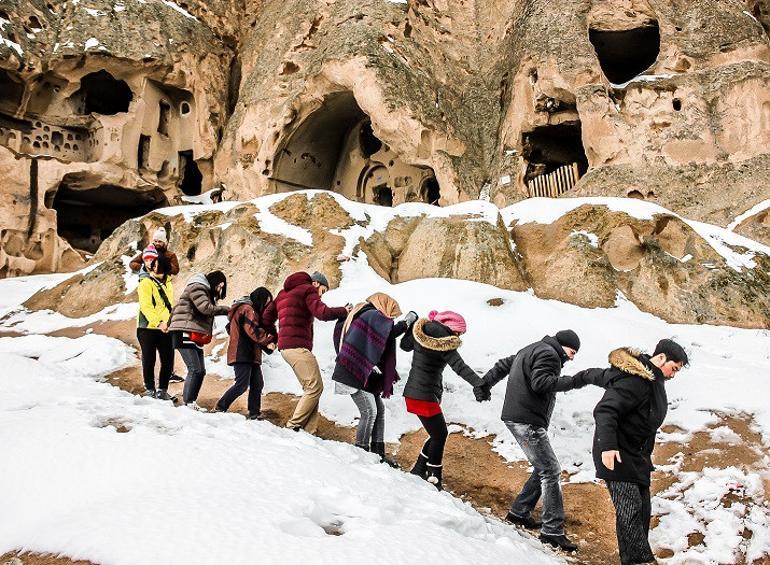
<point>410,317</point>
<point>482,393</point>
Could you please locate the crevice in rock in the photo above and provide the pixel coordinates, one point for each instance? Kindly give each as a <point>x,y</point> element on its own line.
<point>626,54</point>
<point>234,85</point>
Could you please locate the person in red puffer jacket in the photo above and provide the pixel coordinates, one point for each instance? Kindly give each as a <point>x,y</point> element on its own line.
<point>295,307</point>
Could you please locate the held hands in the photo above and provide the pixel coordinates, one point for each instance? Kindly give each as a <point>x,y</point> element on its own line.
<point>608,458</point>
<point>271,346</point>
<point>410,317</point>
<point>163,326</point>
<point>482,393</point>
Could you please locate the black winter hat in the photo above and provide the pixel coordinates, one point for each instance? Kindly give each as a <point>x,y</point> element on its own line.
<point>568,338</point>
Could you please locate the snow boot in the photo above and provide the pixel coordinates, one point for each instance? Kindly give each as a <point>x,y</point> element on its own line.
<point>560,542</point>
<point>528,522</point>
<point>434,476</point>
<point>420,466</point>
<point>164,395</point>
<point>378,447</point>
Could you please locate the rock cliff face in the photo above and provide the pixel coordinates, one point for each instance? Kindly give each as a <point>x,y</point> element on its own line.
<point>111,109</point>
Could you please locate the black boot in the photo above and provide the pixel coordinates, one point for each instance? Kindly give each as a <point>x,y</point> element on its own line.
<point>434,476</point>
<point>420,466</point>
<point>364,447</point>
<point>378,447</point>
<point>528,522</point>
<point>560,542</point>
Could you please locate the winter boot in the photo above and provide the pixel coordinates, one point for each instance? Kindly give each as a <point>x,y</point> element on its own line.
<point>420,466</point>
<point>558,541</point>
<point>434,476</point>
<point>364,447</point>
<point>378,447</point>
<point>528,522</point>
<point>164,395</point>
<point>149,393</point>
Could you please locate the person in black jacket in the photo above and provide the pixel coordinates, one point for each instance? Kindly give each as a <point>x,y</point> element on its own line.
<point>435,342</point>
<point>627,419</point>
<point>534,379</point>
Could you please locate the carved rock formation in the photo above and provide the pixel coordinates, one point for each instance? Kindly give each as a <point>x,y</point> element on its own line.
<point>111,109</point>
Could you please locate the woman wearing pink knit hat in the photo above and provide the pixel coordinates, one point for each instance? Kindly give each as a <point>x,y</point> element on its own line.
<point>435,341</point>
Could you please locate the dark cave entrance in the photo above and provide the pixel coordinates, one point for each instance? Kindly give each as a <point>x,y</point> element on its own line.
<point>101,93</point>
<point>86,217</point>
<point>624,55</point>
<point>190,176</point>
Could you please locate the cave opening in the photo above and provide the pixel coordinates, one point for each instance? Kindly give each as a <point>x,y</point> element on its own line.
<point>626,54</point>
<point>101,93</point>
<point>86,217</point>
<point>11,92</point>
<point>555,158</point>
<point>430,191</point>
<point>336,148</point>
<point>143,152</point>
<point>164,111</point>
<point>190,176</point>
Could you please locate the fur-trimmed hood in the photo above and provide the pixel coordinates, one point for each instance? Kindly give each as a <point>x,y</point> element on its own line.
<point>446,343</point>
<point>628,360</point>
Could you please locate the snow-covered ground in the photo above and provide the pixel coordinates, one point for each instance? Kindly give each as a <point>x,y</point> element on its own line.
<point>95,473</point>
<point>728,374</point>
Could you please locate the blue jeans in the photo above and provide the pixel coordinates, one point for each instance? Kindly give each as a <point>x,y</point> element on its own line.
<point>544,479</point>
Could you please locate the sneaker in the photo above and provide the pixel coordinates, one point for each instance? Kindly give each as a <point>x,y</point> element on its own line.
<point>174,378</point>
<point>149,393</point>
<point>195,406</point>
<point>259,416</point>
<point>528,522</point>
<point>560,542</point>
<point>164,395</point>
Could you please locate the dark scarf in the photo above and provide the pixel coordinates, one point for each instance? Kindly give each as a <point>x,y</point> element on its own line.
<point>368,344</point>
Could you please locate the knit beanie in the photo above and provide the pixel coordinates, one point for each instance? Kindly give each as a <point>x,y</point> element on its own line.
<point>452,320</point>
<point>568,338</point>
<point>149,253</point>
<point>320,278</point>
<point>160,235</point>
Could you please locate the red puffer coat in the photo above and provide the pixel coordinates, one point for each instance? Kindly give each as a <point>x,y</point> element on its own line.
<point>295,307</point>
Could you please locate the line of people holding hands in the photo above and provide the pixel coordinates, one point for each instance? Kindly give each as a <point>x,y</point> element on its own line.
<point>367,337</point>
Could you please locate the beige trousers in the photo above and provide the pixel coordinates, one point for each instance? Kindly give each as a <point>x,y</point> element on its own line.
<point>305,367</point>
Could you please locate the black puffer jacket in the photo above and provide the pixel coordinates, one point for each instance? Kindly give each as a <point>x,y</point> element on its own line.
<point>534,379</point>
<point>628,415</point>
<point>435,347</point>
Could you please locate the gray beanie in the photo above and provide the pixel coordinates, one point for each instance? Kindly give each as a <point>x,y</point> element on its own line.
<point>320,278</point>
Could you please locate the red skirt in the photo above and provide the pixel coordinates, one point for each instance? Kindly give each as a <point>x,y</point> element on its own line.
<point>425,408</point>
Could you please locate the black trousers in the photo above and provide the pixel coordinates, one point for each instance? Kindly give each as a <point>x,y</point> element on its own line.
<point>632,521</point>
<point>152,343</point>
<point>247,376</point>
<point>437,434</point>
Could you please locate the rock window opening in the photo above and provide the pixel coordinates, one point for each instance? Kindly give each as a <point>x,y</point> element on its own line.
<point>86,217</point>
<point>368,141</point>
<point>164,112</point>
<point>184,108</point>
<point>190,177</point>
<point>101,93</point>
<point>555,158</point>
<point>624,55</point>
<point>430,191</point>
<point>143,154</point>
<point>677,104</point>
<point>383,195</point>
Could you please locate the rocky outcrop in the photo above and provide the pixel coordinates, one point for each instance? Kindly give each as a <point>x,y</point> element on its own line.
<point>111,109</point>
<point>585,257</point>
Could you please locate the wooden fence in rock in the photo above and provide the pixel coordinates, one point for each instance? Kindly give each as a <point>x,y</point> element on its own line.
<point>555,183</point>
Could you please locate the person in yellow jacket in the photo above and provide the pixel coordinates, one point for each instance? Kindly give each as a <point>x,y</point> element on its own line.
<point>156,294</point>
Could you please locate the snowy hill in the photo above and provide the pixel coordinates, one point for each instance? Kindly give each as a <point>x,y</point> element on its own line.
<point>249,489</point>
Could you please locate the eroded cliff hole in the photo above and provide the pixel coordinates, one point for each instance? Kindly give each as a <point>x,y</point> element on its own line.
<point>335,148</point>
<point>625,54</point>
<point>555,158</point>
<point>101,93</point>
<point>86,217</point>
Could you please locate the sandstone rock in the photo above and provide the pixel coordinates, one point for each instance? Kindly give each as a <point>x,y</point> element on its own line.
<point>661,265</point>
